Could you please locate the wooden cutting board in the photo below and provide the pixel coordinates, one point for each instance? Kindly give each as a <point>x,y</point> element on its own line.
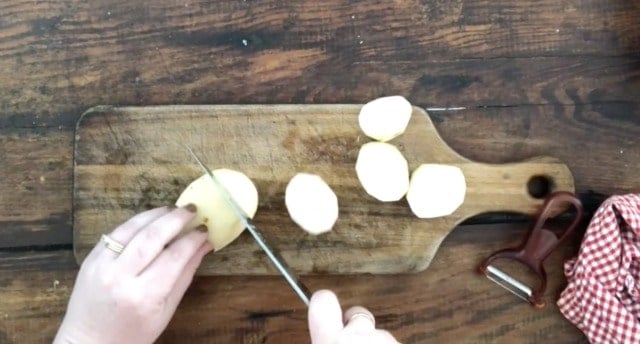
<point>130,159</point>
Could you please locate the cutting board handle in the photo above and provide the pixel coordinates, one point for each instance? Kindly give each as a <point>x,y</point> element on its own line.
<point>515,187</point>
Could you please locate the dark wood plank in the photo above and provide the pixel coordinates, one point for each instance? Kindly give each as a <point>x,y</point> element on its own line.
<point>36,187</point>
<point>389,31</point>
<point>34,289</point>
<point>598,142</point>
<point>63,57</point>
<point>303,77</point>
<point>450,302</point>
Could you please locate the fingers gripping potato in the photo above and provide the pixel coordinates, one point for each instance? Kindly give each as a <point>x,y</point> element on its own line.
<point>213,212</point>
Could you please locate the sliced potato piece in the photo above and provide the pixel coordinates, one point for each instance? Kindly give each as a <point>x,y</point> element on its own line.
<point>383,171</point>
<point>436,190</point>
<point>224,226</point>
<point>311,203</point>
<point>385,118</point>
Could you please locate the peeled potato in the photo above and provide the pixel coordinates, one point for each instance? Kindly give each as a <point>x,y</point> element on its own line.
<point>224,226</point>
<point>385,118</point>
<point>311,203</point>
<point>436,190</point>
<point>383,171</point>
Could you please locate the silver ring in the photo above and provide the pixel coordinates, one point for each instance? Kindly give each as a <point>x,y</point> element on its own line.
<point>112,244</point>
<point>371,319</point>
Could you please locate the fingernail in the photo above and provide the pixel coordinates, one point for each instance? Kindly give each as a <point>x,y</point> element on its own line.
<point>191,207</point>
<point>202,228</point>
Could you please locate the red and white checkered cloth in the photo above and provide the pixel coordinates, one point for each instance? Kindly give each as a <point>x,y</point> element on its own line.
<point>602,297</point>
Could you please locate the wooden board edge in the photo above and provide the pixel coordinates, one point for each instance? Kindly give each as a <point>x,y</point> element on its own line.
<point>92,111</point>
<point>436,133</point>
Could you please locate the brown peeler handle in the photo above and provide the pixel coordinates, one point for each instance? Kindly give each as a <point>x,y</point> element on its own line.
<point>540,242</point>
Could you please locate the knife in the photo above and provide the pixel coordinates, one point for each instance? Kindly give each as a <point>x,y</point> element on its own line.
<point>301,290</point>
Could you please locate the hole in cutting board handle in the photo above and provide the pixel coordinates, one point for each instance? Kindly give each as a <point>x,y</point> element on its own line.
<point>540,186</point>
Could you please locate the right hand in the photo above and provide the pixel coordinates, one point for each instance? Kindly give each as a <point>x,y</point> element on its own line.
<point>327,325</point>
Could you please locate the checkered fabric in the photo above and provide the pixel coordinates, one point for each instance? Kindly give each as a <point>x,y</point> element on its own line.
<point>602,297</point>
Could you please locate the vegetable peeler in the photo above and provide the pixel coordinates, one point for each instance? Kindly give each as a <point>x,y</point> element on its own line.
<point>537,246</point>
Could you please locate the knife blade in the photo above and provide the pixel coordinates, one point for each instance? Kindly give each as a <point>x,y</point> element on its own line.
<point>300,289</point>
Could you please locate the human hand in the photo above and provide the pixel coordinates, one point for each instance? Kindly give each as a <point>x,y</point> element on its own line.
<point>328,326</point>
<point>130,297</point>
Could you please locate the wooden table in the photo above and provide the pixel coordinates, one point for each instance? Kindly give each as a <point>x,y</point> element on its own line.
<point>558,78</point>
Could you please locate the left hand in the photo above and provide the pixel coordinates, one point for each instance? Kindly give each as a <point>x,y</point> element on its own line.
<point>130,297</point>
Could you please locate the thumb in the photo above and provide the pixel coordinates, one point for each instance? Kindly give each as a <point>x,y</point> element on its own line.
<point>325,317</point>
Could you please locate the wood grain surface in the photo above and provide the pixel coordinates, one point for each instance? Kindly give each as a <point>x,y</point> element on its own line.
<point>63,57</point>
<point>556,78</point>
<point>128,160</point>
<point>450,302</point>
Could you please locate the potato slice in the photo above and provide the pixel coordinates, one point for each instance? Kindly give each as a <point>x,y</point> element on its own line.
<point>311,203</point>
<point>224,226</point>
<point>383,171</point>
<point>436,190</point>
<point>385,118</point>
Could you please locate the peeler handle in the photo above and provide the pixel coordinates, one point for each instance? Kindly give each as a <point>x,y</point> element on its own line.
<point>540,242</point>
